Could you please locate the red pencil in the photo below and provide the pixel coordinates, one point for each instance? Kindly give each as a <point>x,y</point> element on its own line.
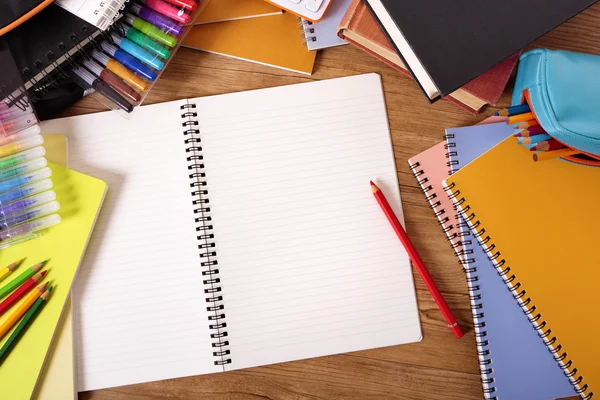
<point>20,292</point>
<point>548,145</point>
<point>533,131</point>
<point>417,262</point>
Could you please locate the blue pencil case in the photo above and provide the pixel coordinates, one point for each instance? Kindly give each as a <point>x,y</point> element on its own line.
<point>562,89</point>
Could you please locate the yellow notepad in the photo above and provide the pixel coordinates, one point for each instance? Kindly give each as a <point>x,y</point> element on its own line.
<point>540,223</point>
<point>227,10</point>
<point>81,197</point>
<point>274,41</point>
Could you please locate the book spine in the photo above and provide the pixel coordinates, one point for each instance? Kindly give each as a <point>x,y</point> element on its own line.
<point>205,235</point>
<point>347,19</point>
<point>518,291</point>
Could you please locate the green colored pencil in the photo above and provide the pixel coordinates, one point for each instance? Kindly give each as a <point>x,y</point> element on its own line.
<point>24,324</point>
<point>19,280</point>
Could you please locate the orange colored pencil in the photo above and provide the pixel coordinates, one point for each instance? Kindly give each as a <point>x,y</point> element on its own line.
<point>548,145</point>
<point>521,118</point>
<point>21,292</point>
<point>417,262</point>
<point>551,155</point>
<point>21,309</point>
<point>528,124</point>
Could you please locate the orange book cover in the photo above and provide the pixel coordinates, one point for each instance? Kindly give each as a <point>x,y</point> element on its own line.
<point>228,10</point>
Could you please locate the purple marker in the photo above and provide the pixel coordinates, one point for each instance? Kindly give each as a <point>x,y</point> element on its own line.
<point>29,214</point>
<point>22,231</point>
<point>19,205</point>
<point>156,19</point>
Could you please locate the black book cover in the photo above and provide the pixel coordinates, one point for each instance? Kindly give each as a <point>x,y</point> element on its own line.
<point>458,40</point>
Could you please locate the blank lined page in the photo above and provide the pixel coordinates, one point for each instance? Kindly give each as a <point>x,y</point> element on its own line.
<point>139,306</point>
<point>308,263</point>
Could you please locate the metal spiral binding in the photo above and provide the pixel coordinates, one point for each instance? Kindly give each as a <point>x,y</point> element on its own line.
<point>205,236</point>
<point>307,30</point>
<point>520,294</point>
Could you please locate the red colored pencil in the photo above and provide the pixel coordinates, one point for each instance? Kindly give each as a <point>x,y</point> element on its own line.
<point>417,262</point>
<point>533,131</point>
<point>548,145</point>
<point>20,292</point>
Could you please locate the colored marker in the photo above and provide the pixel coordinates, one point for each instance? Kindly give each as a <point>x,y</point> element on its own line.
<point>513,110</point>
<point>24,179</point>
<point>150,30</point>
<point>139,53</point>
<point>168,10</point>
<point>103,88</point>
<point>114,81</point>
<point>24,168</point>
<point>155,20</point>
<point>22,134</point>
<point>23,191</point>
<point>13,318</point>
<point>18,231</point>
<point>16,124</point>
<point>21,145</point>
<point>21,279</point>
<point>145,42</point>
<point>19,158</point>
<point>129,61</point>
<point>33,312</point>
<point>189,5</point>
<point>19,205</point>
<point>21,292</point>
<point>9,269</point>
<point>29,214</point>
<point>120,70</point>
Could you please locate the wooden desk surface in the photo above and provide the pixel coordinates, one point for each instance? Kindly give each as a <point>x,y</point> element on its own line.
<point>440,367</point>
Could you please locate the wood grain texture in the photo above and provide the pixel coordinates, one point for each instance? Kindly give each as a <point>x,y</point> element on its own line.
<point>440,367</point>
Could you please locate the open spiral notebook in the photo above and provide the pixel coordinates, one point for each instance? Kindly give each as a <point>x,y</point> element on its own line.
<point>239,230</point>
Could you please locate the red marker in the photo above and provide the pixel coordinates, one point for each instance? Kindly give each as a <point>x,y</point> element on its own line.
<point>20,292</point>
<point>417,262</point>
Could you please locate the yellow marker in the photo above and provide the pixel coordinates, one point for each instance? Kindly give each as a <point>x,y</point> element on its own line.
<point>21,145</point>
<point>4,272</point>
<point>21,309</point>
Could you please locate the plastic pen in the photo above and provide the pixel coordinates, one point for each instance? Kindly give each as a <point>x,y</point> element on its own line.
<point>128,60</point>
<point>16,124</point>
<point>114,81</point>
<point>21,145</point>
<point>145,42</point>
<point>155,20</point>
<point>139,53</point>
<point>189,5</point>
<point>24,168</point>
<point>16,232</point>
<point>103,88</point>
<point>26,215</point>
<point>151,30</point>
<point>24,191</point>
<point>23,204</point>
<point>11,137</point>
<point>120,70</point>
<point>24,156</point>
<point>168,10</point>
<point>24,179</point>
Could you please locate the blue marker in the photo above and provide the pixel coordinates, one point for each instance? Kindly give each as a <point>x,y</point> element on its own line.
<point>20,205</point>
<point>29,214</point>
<point>24,191</point>
<point>24,179</point>
<point>24,168</point>
<point>129,61</point>
<point>138,52</point>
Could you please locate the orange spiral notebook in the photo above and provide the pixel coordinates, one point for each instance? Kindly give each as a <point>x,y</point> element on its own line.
<point>538,222</point>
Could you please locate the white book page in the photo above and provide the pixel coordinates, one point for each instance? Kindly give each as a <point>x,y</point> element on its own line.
<point>139,306</point>
<point>308,263</point>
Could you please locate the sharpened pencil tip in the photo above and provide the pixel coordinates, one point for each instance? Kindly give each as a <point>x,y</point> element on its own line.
<point>374,187</point>
<point>45,262</point>
<point>43,287</point>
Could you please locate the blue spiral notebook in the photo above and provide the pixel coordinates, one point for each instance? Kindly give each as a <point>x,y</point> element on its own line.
<point>515,362</point>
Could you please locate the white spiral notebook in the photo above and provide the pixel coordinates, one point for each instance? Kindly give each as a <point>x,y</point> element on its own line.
<point>100,13</point>
<point>239,230</point>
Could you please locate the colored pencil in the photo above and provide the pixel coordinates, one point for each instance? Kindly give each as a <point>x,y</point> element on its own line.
<point>21,292</point>
<point>551,155</point>
<point>521,118</point>
<point>19,280</point>
<point>548,145</point>
<point>533,131</point>
<point>535,139</point>
<point>33,312</point>
<point>21,309</point>
<point>527,124</point>
<point>417,262</point>
<point>513,110</point>
<point>6,271</point>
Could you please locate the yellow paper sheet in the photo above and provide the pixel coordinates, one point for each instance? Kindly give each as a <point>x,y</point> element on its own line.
<point>227,10</point>
<point>81,197</point>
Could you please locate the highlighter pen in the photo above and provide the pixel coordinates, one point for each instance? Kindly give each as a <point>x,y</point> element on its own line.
<point>150,30</point>
<point>19,205</point>
<point>167,10</point>
<point>16,232</point>
<point>24,168</point>
<point>103,88</point>
<point>139,53</point>
<point>25,191</point>
<point>24,179</point>
<point>32,130</point>
<point>129,61</point>
<point>27,215</point>
<point>21,145</point>
<point>189,5</point>
<point>13,125</point>
<point>155,20</point>
<point>24,156</point>
<point>120,70</point>
<point>145,42</point>
<point>114,81</point>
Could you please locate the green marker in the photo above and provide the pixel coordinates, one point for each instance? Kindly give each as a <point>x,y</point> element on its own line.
<point>28,155</point>
<point>144,41</point>
<point>150,30</point>
<point>21,279</point>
